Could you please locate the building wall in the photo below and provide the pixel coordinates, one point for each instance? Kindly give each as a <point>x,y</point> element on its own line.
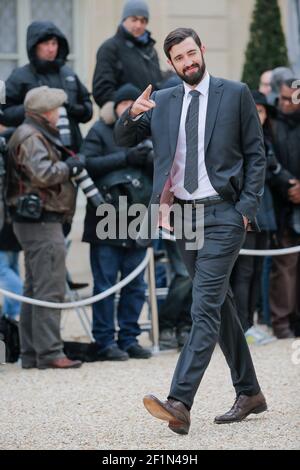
<point>223,26</point>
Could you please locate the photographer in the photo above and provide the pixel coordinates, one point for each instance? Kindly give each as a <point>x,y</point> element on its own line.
<point>41,197</point>
<point>284,281</point>
<point>106,164</point>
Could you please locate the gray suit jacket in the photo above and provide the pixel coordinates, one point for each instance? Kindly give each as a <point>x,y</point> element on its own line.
<point>234,146</point>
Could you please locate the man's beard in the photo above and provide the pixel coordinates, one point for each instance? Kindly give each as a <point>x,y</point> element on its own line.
<point>196,77</point>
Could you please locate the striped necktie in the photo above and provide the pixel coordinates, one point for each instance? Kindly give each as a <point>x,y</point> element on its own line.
<point>191,132</point>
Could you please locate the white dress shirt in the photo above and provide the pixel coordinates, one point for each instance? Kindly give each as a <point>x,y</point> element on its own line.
<point>205,188</point>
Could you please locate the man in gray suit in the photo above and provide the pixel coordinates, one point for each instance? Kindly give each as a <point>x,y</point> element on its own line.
<point>209,153</point>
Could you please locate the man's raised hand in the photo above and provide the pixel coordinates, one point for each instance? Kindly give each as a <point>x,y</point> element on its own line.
<point>143,103</point>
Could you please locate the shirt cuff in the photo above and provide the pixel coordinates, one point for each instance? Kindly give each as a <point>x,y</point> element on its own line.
<point>137,117</point>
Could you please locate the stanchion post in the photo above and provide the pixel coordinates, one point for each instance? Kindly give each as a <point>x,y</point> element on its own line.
<point>2,352</point>
<point>153,301</point>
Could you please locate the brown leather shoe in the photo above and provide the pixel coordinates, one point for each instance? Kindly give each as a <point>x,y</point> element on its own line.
<point>61,363</point>
<point>243,406</point>
<point>170,410</point>
<point>283,333</point>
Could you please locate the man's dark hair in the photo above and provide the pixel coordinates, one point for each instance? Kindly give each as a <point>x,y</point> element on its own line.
<point>177,36</point>
<point>289,82</point>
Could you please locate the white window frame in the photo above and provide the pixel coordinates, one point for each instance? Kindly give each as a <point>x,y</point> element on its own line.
<point>293,33</point>
<point>24,19</point>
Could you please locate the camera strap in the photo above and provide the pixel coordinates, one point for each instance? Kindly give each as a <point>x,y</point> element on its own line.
<point>66,150</point>
<point>69,152</point>
<point>22,192</point>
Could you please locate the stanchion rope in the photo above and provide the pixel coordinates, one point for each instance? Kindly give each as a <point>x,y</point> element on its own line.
<point>129,278</point>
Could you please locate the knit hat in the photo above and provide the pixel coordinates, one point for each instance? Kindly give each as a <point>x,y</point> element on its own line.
<point>43,99</point>
<point>135,8</point>
<point>127,92</point>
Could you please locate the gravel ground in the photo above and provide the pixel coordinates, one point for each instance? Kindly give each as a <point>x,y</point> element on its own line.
<point>100,406</point>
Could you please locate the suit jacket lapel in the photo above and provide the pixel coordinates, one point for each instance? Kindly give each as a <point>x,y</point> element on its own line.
<point>175,108</point>
<point>214,98</point>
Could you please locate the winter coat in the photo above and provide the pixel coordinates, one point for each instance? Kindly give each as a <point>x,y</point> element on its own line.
<point>124,59</point>
<point>54,74</point>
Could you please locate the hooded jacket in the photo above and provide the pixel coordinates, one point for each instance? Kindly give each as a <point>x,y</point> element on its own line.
<point>54,74</point>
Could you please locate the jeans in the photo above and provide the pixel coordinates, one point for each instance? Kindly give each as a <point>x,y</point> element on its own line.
<point>11,281</point>
<point>106,262</point>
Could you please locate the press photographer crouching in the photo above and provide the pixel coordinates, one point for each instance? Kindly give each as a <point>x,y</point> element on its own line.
<point>41,198</point>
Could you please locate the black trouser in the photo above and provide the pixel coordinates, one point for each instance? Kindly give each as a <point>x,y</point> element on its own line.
<point>284,285</point>
<point>213,310</point>
<point>175,312</point>
<point>246,278</point>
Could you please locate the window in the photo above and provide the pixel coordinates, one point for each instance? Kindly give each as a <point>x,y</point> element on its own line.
<point>293,35</point>
<point>16,15</point>
<point>8,37</point>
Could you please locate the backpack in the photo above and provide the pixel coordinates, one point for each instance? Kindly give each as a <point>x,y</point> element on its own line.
<point>9,334</point>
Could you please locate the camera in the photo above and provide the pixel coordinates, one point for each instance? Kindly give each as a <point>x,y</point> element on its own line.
<point>88,187</point>
<point>30,206</point>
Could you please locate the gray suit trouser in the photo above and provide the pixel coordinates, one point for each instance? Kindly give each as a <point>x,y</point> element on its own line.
<point>45,278</point>
<point>213,309</point>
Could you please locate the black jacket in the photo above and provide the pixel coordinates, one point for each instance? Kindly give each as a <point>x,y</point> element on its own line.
<point>266,215</point>
<point>286,129</point>
<point>123,59</point>
<point>103,156</point>
<point>53,74</point>
<point>8,240</point>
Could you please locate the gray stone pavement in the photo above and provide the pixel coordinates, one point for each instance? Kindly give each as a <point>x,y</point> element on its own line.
<point>99,406</point>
